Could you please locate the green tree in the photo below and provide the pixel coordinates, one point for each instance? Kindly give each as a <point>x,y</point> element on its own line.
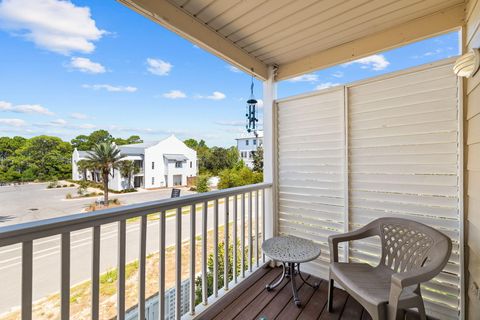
<point>130,140</point>
<point>191,143</point>
<point>236,177</point>
<point>81,143</point>
<point>202,184</point>
<point>98,137</point>
<point>258,160</point>
<point>44,157</point>
<point>127,169</point>
<point>8,146</point>
<point>105,157</point>
<point>218,159</point>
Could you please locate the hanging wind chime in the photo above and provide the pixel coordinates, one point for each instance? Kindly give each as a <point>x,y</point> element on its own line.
<point>251,111</point>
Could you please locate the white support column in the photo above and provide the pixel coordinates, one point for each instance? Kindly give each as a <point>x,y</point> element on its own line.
<point>269,153</point>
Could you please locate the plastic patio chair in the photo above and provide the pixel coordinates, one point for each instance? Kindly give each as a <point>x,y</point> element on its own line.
<point>412,253</point>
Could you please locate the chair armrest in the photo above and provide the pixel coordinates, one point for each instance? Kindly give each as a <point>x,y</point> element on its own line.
<point>334,240</point>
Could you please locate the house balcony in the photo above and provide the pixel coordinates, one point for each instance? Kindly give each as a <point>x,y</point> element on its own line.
<point>405,144</point>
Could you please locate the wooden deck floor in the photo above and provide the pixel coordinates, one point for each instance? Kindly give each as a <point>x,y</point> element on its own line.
<point>250,300</point>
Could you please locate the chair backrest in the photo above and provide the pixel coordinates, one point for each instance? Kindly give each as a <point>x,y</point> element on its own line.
<point>409,245</point>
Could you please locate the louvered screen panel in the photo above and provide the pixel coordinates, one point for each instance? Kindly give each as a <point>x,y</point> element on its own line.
<point>403,161</point>
<point>311,157</point>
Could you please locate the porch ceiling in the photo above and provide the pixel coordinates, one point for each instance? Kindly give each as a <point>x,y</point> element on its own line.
<point>303,35</point>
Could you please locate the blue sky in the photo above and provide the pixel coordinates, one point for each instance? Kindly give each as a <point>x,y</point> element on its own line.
<point>69,68</point>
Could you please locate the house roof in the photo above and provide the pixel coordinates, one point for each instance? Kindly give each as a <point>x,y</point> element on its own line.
<point>142,145</point>
<point>250,135</point>
<point>303,35</point>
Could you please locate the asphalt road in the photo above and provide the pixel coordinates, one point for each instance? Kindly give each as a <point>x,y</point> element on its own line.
<point>16,202</point>
<point>34,201</point>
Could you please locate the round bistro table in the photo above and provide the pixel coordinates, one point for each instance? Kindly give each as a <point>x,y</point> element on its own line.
<point>291,252</point>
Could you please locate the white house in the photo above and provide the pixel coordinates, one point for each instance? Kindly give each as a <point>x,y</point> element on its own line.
<point>247,144</point>
<point>164,163</point>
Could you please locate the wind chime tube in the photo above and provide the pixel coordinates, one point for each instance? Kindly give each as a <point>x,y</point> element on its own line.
<point>251,112</point>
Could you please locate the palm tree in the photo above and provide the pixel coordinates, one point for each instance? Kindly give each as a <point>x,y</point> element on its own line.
<point>105,157</point>
<point>128,169</point>
<point>84,166</point>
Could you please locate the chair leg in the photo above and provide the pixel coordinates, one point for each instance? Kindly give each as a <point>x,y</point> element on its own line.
<point>330,295</point>
<point>421,311</point>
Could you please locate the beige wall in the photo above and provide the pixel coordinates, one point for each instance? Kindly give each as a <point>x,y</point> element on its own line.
<point>472,158</point>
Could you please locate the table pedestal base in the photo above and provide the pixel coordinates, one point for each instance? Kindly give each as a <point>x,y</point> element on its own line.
<point>290,271</point>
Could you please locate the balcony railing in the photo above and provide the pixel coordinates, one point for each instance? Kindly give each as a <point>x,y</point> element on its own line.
<point>26,233</point>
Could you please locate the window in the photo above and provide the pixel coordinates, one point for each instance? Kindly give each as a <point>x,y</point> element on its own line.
<point>254,142</point>
<point>153,178</point>
<point>153,165</point>
<point>178,164</point>
<point>246,142</point>
<point>191,165</point>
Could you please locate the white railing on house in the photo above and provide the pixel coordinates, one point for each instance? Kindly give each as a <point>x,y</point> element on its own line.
<point>247,204</point>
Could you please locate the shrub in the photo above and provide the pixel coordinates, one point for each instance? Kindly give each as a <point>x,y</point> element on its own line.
<point>221,250</point>
<point>115,201</point>
<point>65,186</point>
<point>72,185</point>
<point>52,184</point>
<point>59,186</point>
<point>68,196</point>
<point>82,187</point>
<point>202,184</point>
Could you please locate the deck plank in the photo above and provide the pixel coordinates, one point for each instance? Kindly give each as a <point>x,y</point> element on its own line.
<point>352,310</point>
<point>260,302</point>
<point>249,300</point>
<point>339,300</point>
<point>248,296</point>
<point>366,315</point>
<point>291,311</point>
<point>273,309</point>
<point>317,303</point>
<point>212,311</point>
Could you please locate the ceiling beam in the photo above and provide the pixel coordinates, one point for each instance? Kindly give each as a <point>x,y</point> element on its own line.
<point>187,26</point>
<point>414,30</point>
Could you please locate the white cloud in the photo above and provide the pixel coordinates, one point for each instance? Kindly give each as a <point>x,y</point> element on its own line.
<point>78,116</point>
<point>13,122</point>
<point>54,25</point>
<point>309,77</point>
<point>159,67</point>
<point>338,74</point>
<point>234,69</point>
<point>110,88</point>
<point>216,95</point>
<point>326,85</point>
<point>24,108</point>
<point>260,103</point>
<point>174,94</point>
<point>376,62</point>
<point>86,65</point>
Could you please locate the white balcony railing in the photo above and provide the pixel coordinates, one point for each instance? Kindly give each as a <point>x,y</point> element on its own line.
<point>26,233</point>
